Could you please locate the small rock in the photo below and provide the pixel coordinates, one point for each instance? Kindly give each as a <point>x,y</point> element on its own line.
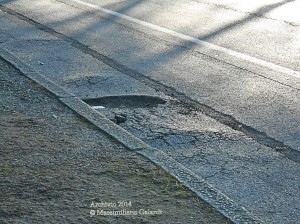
<point>120,118</point>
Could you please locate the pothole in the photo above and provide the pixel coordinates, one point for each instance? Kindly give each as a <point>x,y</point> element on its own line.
<point>127,101</point>
<point>163,123</point>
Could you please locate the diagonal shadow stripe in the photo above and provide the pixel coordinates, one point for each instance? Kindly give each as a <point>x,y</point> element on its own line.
<point>259,136</point>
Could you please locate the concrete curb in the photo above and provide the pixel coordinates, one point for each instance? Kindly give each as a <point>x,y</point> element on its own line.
<point>214,197</point>
<point>34,75</point>
<point>130,141</point>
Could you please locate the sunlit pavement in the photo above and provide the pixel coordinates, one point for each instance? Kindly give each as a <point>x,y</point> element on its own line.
<point>236,66</point>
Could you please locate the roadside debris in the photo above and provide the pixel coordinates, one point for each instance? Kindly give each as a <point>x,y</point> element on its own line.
<point>98,107</point>
<point>120,118</point>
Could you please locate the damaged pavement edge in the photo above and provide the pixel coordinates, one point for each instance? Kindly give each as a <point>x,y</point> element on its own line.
<point>213,196</point>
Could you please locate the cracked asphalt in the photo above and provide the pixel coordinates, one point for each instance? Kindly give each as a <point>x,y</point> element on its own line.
<point>224,157</point>
<point>250,159</point>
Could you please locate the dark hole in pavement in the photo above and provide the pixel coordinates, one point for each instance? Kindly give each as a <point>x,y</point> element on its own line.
<point>129,101</point>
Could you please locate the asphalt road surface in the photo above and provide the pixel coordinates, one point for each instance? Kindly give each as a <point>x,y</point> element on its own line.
<point>247,67</point>
<point>235,64</point>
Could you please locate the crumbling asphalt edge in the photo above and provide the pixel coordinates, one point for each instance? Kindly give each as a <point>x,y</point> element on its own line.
<point>213,196</point>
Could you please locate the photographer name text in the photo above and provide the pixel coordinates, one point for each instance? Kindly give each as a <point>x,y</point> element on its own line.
<point>120,208</point>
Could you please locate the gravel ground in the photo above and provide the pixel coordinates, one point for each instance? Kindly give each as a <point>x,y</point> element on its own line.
<point>58,168</point>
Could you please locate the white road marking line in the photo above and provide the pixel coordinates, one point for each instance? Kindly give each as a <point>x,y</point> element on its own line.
<point>236,54</point>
